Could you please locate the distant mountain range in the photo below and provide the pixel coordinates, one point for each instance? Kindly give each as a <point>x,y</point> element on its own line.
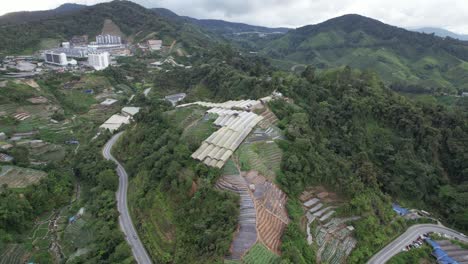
<point>440,32</point>
<point>219,26</point>
<point>215,25</point>
<point>407,60</point>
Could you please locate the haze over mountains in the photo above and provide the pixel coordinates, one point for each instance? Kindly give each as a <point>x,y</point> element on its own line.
<point>440,32</point>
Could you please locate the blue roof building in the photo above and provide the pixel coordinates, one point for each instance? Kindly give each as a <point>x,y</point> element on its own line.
<point>399,210</point>
<point>439,254</point>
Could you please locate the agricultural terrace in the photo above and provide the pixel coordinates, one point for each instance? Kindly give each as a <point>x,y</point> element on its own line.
<point>270,205</point>
<point>13,254</point>
<point>264,157</point>
<point>259,254</point>
<point>17,177</point>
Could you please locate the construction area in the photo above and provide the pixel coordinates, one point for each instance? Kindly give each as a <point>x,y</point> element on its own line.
<point>332,236</point>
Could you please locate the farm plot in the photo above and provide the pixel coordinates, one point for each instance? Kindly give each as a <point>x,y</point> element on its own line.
<point>197,131</point>
<point>246,235</point>
<point>47,152</point>
<point>270,205</point>
<point>13,254</point>
<point>76,236</point>
<point>259,254</point>
<point>261,156</point>
<point>331,236</point>
<point>186,116</point>
<point>17,177</point>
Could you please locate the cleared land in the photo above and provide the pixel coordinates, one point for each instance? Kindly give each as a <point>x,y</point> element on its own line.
<point>270,204</point>
<point>17,177</point>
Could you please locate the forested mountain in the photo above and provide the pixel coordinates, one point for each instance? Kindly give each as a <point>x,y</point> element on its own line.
<point>347,130</point>
<point>408,60</point>
<point>219,26</point>
<point>24,16</point>
<point>440,32</point>
<point>135,21</point>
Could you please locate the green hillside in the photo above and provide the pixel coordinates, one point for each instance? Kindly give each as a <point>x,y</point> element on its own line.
<point>410,61</point>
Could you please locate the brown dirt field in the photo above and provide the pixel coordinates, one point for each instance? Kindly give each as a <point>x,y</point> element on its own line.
<point>270,205</point>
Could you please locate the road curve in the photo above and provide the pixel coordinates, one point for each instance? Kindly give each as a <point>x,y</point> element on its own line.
<point>125,221</point>
<point>409,236</point>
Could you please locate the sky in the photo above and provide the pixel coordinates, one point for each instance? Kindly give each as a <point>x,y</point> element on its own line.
<point>448,14</point>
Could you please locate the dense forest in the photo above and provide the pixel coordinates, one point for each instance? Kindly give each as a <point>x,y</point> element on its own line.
<point>348,131</point>
<point>158,159</point>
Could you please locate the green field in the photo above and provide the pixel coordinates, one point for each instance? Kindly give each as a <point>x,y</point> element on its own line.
<point>17,177</point>
<point>259,254</point>
<point>198,131</point>
<point>76,236</point>
<point>230,168</point>
<point>13,254</point>
<point>260,156</point>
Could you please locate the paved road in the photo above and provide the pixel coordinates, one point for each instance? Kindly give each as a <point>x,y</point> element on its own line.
<point>409,236</point>
<point>125,221</point>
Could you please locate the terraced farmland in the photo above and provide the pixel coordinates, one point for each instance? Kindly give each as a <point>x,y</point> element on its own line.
<point>17,177</point>
<point>270,205</point>
<point>261,156</point>
<point>246,235</point>
<point>259,254</point>
<point>13,254</point>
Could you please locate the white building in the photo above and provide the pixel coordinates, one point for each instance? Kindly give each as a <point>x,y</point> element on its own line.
<point>75,52</point>
<point>108,39</point>
<point>99,60</point>
<point>55,58</point>
<point>154,44</point>
<point>115,122</point>
<point>130,111</point>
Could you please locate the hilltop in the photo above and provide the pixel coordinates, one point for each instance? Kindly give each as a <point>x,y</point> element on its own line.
<point>25,16</point>
<point>410,61</point>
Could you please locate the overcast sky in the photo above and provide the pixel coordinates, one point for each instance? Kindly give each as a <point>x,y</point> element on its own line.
<point>448,14</point>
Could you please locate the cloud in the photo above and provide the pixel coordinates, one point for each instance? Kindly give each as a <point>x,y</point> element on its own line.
<point>449,14</point>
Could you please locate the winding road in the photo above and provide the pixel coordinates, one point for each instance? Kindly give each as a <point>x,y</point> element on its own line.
<point>125,221</point>
<point>409,236</point>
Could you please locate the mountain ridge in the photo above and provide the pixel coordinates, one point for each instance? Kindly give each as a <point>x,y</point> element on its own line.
<point>407,60</point>
<point>31,16</point>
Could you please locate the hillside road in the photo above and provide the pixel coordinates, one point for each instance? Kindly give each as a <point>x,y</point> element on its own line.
<point>125,221</point>
<point>409,236</point>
